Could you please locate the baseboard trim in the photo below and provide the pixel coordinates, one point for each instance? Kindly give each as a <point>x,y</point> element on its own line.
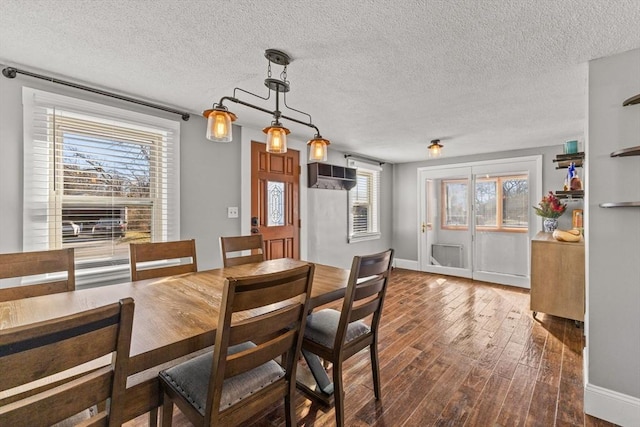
<point>406,264</point>
<point>609,405</point>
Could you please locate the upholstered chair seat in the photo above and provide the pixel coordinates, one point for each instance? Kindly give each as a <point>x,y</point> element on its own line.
<point>191,379</point>
<point>323,325</point>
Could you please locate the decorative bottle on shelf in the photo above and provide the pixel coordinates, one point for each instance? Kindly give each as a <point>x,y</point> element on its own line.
<point>573,179</point>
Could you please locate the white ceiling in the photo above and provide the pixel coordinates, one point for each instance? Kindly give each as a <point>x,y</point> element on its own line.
<point>380,78</point>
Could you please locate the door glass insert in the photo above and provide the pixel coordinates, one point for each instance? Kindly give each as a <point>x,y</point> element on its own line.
<point>454,203</point>
<point>275,203</point>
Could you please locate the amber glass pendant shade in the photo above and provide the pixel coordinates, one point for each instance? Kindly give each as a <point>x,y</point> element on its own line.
<point>318,149</point>
<point>276,138</point>
<point>219,125</point>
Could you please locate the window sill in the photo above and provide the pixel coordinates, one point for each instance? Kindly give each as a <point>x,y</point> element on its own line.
<point>363,237</point>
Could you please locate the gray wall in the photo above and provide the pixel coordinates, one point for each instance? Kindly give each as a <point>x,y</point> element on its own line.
<point>327,221</point>
<point>613,235</point>
<point>405,195</point>
<point>323,213</point>
<point>213,177</point>
<point>209,172</point>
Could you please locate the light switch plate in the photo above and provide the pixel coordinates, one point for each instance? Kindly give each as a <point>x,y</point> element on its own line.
<point>232,212</point>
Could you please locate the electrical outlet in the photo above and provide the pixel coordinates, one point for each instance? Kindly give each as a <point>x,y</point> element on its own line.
<point>232,212</point>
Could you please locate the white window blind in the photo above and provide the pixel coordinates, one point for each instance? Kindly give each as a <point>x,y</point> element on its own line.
<point>364,206</point>
<point>96,179</point>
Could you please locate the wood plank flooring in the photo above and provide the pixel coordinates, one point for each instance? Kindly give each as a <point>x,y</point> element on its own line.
<point>455,352</point>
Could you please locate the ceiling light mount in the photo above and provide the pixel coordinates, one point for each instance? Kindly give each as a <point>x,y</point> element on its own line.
<point>220,118</point>
<point>277,57</point>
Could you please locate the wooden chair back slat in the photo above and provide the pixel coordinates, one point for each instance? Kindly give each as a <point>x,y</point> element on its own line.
<point>364,310</point>
<point>264,325</point>
<point>231,246</point>
<point>245,361</point>
<point>36,351</point>
<point>250,299</point>
<point>25,264</point>
<point>59,356</point>
<point>369,288</point>
<point>87,391</point>
<point>161,251</point>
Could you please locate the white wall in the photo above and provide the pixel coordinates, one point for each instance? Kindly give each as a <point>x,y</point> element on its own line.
<point>613,243</point>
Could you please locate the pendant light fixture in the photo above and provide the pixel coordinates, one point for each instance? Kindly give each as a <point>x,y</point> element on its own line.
<point>435,149</point>
<point>219,118</point>
<point>318,148</point>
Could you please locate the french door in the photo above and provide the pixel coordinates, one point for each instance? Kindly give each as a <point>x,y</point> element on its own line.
<point>476,220</point>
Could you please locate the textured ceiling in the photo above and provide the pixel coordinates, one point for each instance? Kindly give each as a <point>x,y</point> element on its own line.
<point>380,78</point>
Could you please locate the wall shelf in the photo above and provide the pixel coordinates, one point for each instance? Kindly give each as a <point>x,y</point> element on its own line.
<point>632,101</point>
<point>571,194</point>
<point>620,205</point>
<point>564,160</point>
<point>332,177</point>
<point>626,152</point>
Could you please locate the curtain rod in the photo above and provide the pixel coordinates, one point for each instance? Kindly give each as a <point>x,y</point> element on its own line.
<point>11,72</point>
<point>355,156</point>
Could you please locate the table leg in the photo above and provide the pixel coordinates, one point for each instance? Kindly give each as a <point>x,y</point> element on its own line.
<point>322,390</point>
<point>318,372</point>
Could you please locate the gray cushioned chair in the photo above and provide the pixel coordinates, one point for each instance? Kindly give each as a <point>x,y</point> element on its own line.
<point>335,335</point>
<point>241,377</point>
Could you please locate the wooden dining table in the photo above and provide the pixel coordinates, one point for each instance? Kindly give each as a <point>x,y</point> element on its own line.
<point>174,317</point>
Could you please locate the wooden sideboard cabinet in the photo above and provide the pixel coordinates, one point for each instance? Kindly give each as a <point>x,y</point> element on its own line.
<point>557,277</point>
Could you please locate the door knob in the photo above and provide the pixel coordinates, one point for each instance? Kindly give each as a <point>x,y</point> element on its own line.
<point>255,231</point>
<point>254,221</point>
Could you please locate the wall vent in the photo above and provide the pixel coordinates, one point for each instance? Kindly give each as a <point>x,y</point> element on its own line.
<point>446,255</point>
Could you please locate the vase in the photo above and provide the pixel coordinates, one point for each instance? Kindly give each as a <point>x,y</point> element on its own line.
<point>550,224</point>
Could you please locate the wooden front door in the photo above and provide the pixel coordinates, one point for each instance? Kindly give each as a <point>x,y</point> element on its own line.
<point>275,200</point>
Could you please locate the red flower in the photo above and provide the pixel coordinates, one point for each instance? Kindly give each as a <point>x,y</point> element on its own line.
<point>550,206</point>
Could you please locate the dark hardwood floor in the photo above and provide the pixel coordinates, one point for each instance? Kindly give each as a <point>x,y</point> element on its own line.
<point>455,352</point>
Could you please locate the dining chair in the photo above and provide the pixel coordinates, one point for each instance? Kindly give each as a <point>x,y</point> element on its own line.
<point>145,259</point>
<point>335,336</point>
<point>30,355</point>
<point>54,264</point>
<point>240,378</point>
<point>232,248</point>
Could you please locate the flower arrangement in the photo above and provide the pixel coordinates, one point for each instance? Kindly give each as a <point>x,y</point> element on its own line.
<point>550,207</point>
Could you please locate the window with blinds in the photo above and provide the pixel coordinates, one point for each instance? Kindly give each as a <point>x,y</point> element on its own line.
<point>364,202</point>
<point>96,179</point>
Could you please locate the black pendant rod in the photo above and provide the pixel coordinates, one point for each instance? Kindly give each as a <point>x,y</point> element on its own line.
<point>255,107</point>
<point>11,72</point>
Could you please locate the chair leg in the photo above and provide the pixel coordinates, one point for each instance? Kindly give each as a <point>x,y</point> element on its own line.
<point>153,417</point>
<point>289,411</point>
<point>167,411</point>
<point>375,370</point>
<point>338,393</point>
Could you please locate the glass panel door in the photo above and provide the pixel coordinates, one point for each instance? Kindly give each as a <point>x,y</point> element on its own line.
<point>445,230</point>
<point>502,214</point>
